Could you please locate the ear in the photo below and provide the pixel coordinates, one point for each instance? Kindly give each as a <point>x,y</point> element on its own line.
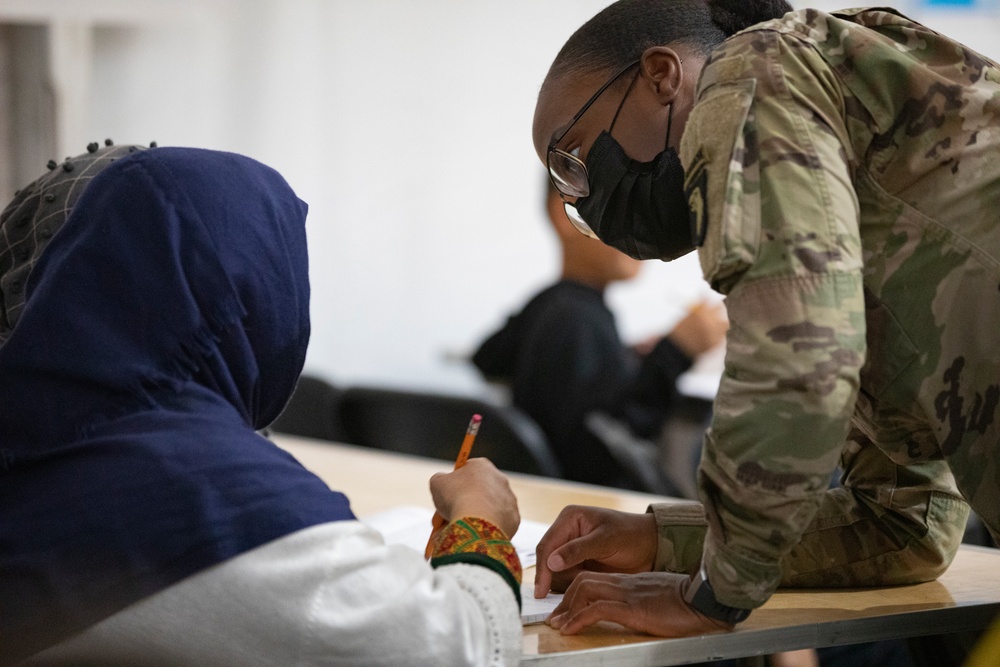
<point>661,67</point>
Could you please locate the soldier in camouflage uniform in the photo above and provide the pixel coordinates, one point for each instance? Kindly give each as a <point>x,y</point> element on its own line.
<point>843,176</point>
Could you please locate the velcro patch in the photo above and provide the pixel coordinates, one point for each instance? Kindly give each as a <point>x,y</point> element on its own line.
<point>721,187</point>
<point>696,192</point>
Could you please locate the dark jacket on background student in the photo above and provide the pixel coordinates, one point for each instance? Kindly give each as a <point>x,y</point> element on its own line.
<point>564,360</point>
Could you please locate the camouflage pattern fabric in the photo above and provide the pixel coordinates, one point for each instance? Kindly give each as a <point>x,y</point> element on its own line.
<point>844,170</point>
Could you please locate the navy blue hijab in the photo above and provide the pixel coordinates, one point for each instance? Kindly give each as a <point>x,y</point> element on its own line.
<point>165,321</point>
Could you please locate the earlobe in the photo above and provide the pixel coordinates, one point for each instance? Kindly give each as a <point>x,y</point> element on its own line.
<point>663,67</point>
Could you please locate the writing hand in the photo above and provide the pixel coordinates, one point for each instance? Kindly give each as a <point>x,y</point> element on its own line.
<point>651,602</point>
<point>477,489</point>
<point>592,539</point>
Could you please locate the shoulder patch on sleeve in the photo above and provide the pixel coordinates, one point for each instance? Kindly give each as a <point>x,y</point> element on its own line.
<point>721,181</point>
<point>696,191</point>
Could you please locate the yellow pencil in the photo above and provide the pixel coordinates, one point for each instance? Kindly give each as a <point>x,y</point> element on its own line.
<point>439,522</point>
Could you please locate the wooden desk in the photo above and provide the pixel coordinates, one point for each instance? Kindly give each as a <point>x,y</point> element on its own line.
<point>375,481</point>
<point>966,597</point>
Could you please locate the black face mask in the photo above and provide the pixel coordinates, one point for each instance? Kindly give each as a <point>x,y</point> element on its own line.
<point>637,207</point>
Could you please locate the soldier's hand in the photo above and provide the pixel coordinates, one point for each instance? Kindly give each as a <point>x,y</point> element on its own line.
<point>593,539</point>
<point>651,602</point>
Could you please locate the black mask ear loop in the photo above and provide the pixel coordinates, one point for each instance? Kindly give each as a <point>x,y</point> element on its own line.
<point>670,111</point>
<point>670,123</point>
<point>624,97</point>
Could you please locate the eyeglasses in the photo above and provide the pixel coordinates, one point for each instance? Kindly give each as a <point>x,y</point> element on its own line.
<point>566,170</point>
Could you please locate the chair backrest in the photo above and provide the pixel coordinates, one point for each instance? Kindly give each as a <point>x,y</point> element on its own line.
<point>312,411</point>
<point>432,425</point>
<point>680,443</point>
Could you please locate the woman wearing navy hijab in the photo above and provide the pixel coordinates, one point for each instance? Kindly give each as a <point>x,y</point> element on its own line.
<point>154,312</point>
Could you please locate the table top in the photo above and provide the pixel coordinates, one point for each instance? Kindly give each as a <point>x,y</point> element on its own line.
<point>966,597</point>
<point>375,481</point>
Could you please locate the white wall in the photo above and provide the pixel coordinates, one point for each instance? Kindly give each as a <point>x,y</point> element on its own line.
<point>406,126</point>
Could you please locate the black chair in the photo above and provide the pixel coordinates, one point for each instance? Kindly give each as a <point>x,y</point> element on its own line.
<point>433,425</point>
<point>680,444</point>
<point>312,411</point>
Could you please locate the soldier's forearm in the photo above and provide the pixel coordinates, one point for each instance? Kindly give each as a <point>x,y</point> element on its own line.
<point>891,524</point>
<point>858,537</point>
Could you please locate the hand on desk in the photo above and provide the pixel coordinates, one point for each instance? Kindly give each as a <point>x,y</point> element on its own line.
<point>602,559</point>
<point>651,602</point>
<point>593,539</point>
<point>477,489</point>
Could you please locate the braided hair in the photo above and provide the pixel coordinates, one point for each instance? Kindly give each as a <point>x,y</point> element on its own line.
<point>621,32</point>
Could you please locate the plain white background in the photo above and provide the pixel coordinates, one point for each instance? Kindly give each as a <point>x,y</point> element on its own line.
<point>405,124</point>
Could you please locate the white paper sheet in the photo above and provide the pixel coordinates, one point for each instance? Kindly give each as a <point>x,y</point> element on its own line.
<point>411,526</point>
<point>536,611</point>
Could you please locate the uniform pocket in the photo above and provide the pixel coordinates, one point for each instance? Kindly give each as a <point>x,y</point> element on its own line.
<point>890,350</point>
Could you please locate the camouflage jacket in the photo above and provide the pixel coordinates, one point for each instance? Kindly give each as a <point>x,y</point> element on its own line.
<point>844,176</point>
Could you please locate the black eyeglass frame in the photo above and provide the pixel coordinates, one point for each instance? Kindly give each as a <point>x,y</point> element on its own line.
<point>562,133</point>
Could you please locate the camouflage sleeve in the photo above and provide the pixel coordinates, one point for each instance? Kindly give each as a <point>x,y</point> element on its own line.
<point>888,524</point>
<point>767,158</point>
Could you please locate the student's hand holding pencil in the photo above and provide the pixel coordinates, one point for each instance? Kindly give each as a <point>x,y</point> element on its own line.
<point>479,490</point>
<point>482,492</point>
<point>437,521</point>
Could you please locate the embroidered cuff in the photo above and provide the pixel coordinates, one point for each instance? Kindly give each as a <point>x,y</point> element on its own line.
<point>476,541</point>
